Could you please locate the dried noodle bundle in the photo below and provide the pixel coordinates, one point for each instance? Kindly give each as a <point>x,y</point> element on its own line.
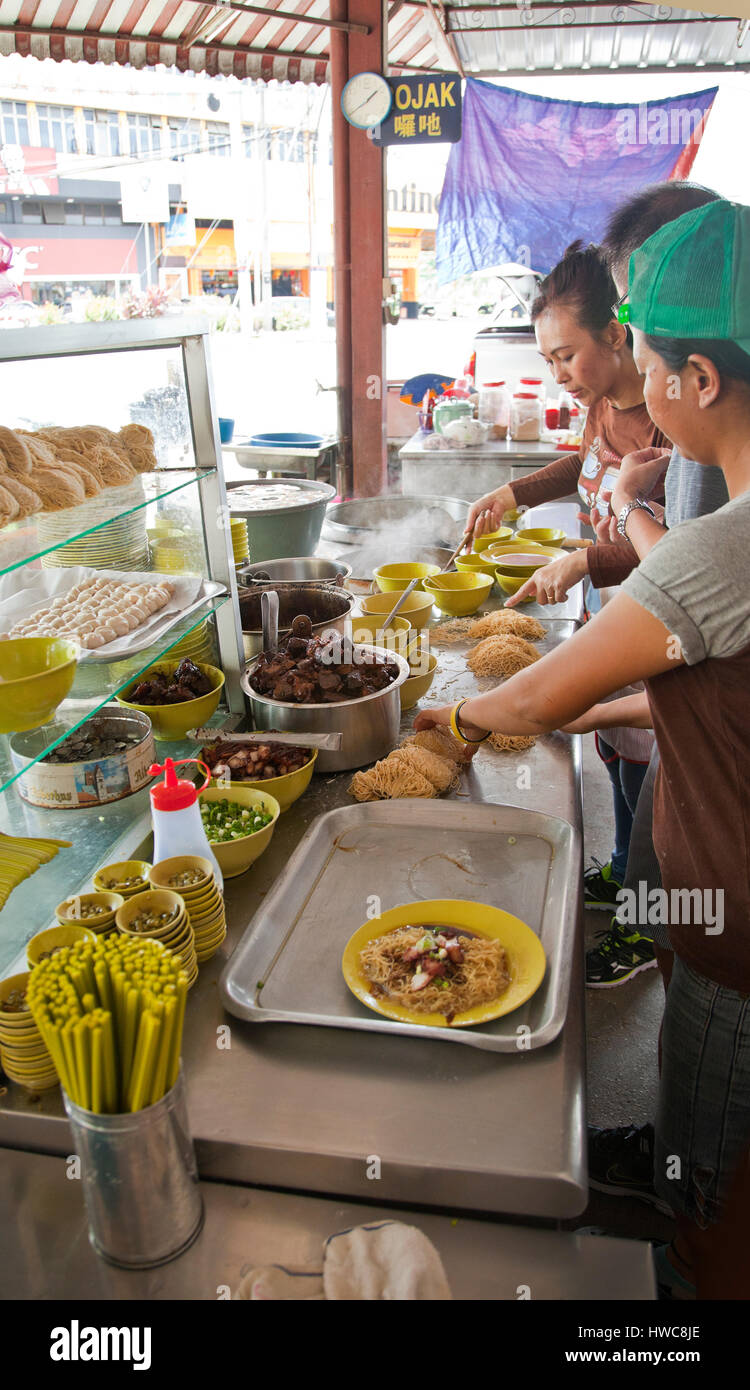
<point>387,780</point>
<point>501,656</point>
<point>505,621</point>
<point>440,740</point>
<point>512,743</point>
<point>455,630</point>
<point>441,773</point>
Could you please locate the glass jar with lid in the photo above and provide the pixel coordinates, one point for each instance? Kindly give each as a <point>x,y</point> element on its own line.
<point>533,386</point>
<point>525,416</point>
<point>494,408</point>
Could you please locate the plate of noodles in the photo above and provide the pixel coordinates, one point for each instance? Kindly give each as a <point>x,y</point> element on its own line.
<point>444,962</point>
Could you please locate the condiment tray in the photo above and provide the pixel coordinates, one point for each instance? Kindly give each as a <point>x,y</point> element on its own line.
<point>357,861</point>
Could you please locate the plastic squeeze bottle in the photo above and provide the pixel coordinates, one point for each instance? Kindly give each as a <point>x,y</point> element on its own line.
<point>178,828</point>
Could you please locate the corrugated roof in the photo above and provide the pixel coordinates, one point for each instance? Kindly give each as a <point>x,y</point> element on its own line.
<point>280,39</point>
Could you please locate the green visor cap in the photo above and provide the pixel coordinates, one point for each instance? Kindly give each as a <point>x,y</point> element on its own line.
<point>691,279</point>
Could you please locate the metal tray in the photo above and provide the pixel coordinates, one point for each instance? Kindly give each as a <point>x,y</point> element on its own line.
<point>287,967</point>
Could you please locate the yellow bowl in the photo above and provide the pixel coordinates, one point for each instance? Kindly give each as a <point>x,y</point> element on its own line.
<point>36,674</point>
<point>512,515</point>
<point>510,564</point>
<point>460,599</point>
<point>235,856</point>
<point>161,873</point>
<point>152,900</point>
<point>72,912</point>
<point>203,907</point>
<point>127,868</point>
<point>510,584</point>
<point>53,937</point>
<point>368,628</point>
<point>500,548</point>
<point>416,687</point>
<point>525,957</point>
<point>286,789</point>
<point>391,578</point>
<point>543,535</point>
<point>475,564</point>
<point>503,533</point>
<point>15,1022</point>
<point>173,721</point>
<point>417,607</point>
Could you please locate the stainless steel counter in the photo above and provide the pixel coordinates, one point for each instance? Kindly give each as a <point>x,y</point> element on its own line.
<point>470,472</point>
<point>46,1253</point>
<point>311,1108</point>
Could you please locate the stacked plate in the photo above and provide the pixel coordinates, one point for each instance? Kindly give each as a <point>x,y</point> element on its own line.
<point>121,545</point>
<point>199,645</point>
<point>23,1055</point>
<point>127,878</point>
<point>240,543</point>
<point>173,930</point>
<point>193,878</point>
<point>95,911</point>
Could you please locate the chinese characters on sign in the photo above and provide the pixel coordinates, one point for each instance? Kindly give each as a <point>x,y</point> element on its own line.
<point>424,112</point>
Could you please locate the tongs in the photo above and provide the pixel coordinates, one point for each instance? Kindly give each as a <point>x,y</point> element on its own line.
<point>329,742</point>
<point>410,587</point>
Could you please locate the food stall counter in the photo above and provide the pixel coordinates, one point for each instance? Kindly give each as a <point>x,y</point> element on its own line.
<point>474,470</point>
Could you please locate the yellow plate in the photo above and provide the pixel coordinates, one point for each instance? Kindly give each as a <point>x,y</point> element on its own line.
<point>526,960</point>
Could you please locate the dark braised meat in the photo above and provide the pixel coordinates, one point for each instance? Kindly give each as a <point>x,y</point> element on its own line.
<point>187,683</point>
<point>251,762</point>
<point>309,670</point>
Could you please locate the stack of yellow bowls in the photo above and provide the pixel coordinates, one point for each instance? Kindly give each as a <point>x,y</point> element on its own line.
<point>95,911</point>
<point>203,900</point>
<point>47,943</point>
<point>176,934</point>
<point>113,878</point>
<point>240,543</point>
<point>23,1055</point>
<point>198,645</point>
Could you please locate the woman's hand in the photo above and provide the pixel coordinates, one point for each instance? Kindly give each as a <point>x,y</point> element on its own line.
<point>551,583</point>
<point>487,514</point>
<point>638,476</point>
<point>429,718</point>
<point>606,529</point>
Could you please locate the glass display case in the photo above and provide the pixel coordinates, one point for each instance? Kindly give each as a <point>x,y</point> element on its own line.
<point>171,521</point>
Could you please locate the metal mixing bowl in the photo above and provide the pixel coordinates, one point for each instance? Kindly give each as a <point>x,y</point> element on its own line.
<point>327,608</point>
<point>300,569</point>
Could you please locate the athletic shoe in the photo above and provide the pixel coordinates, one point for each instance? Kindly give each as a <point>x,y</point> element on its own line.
<point>621,1161</point>
<point>600,887</point>
<point>618,957</point>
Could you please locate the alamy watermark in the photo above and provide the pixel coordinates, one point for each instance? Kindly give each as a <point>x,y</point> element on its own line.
<point>648,125</point>
<point>662,907</point>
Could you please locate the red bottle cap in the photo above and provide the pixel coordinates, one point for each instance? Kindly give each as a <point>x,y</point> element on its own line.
<point>524,396</point>
<point>494,383</point>
<point>530,380</point>
<point>175,793</point>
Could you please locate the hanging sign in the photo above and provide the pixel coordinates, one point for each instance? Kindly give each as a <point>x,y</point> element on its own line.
<point>426,111</point>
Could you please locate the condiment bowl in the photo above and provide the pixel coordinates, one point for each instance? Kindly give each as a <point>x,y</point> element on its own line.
<point>173,721</point>
<point>417,607</point>
<point>510,584</point>
<point>36,674</point>
<point>392,578</point>
<point>73,912</point>
<point>476,564</point>
<point>159,876</point>
<point>417,686</point>
<point>235,856</point>
<point>152,900</point>
<point>127,868</point>
<point>13,1024</point>
<point>55,937</point>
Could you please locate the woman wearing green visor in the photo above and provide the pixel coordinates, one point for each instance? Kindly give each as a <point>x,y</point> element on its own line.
<point>681,623</point>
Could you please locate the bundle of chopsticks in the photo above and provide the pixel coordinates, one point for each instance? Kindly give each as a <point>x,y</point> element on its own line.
<point>22,856</point>
<point>111,1014</point>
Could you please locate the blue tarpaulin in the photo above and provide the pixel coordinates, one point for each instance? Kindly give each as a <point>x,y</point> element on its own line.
<point>531,174</point>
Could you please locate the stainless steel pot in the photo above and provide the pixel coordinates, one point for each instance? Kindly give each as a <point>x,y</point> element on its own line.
<point>298,570</point>
<point>326,607</point>
<point>370,725</point>
<point>437,521</point>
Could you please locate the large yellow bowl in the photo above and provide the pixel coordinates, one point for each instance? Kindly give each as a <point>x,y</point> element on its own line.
<point>503,533</point>
<point>509,564</point>
<point>416,687</point>
<point>391,578</point>
<point>525,956</point>
<point>417,607</point>
<point>475,564</point>
<point>510,584</point>
<point>500,548</point>
<point>459,594</point>
<point>285,790</point>
<point>36,674</point>
<point>235,856</point>
<point>173,721</point>
<point>543,535</point>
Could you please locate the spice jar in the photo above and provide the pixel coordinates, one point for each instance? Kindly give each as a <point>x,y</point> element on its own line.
<point>494,408</point>
<point>532,386</point>
<point>525,416</point>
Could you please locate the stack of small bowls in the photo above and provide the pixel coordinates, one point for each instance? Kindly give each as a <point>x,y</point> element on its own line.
<point>203,900</point>
<point>95,911</point>
<point>176,933</point>
<point>111,874</point>
<point>198,645</point>
<point>240,543</point>
<point>23,1056</point>
<point>47,943</point>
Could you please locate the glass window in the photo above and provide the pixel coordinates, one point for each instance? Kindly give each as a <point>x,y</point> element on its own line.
<point>284,140</point>
<point>15,123</point>
<point>217,138</point>
<point>74,214</point>
<point>102,132</point>
<point>144,134</point>
<point>54,214</point>
<point>184,136</point>
<point>92,214</point>
<point>31,212</point>
<point>248,140</point>
<point>112,215</point>
<point>57,129</point>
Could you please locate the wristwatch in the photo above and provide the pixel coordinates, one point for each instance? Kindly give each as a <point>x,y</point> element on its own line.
<point>625,513</point>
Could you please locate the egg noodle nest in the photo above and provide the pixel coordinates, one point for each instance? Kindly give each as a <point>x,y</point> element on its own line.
<point>502,656</point>
<point>482,975</point>
<point>502,623</point>
<point>426,765</point>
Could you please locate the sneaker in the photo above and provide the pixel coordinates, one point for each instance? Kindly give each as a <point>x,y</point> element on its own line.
<point>622,1161</point>
<point>618,957</point>
<point>600,887</point>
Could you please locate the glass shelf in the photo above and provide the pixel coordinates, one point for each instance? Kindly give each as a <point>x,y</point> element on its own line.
<point>98,682</point>
<point>24,541</point>
<point>95,832</point>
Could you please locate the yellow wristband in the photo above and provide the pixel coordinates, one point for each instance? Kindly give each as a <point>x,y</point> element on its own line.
<point>455,725</point>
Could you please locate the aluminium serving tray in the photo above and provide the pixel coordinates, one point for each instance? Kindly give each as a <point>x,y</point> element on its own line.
<point>360,860</point>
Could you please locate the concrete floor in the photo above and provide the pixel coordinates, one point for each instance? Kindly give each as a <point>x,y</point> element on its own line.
<point>622,1028</point>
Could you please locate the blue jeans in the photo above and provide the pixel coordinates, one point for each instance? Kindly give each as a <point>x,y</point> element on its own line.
<point>703,1116</point>
<point>627,780</point>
